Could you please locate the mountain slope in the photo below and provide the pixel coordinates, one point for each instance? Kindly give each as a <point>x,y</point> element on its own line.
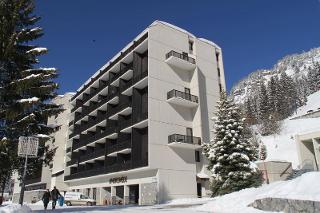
<point>295,66</point>
<point>283,146</point>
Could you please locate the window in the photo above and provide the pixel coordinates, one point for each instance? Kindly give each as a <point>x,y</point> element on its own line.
<point>218,72</point>
<point>190,47</point>
<point>88,192</point>
<point>187,93</point>
<point>217,57</point>
<point>94,193</point>
<point>197,156</point>
<point>220,87</point>
<point>189,135</point>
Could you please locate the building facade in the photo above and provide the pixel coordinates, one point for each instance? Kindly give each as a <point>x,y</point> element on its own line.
<point>53,175</point>
<point>137,125</point>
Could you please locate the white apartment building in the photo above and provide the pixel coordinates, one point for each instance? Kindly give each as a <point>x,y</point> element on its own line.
<point>137,125</point>
<point>53,175</point>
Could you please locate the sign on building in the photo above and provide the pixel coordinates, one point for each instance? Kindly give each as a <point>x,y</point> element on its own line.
<point>28,146</point>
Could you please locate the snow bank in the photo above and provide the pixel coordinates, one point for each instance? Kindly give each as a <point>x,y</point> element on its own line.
<point>306,187</point>
<point>283,147</point>
<point>15,208</point>
<point>312,104</point>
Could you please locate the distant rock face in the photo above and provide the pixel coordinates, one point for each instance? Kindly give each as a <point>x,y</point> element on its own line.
<point>295,66</point>
<point>286,205</point>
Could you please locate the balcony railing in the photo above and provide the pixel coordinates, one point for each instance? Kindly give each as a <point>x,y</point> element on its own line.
<point>176,138</point>
<point>95,137</point>
<point>178,94</point>
<point>112,93</point>
<point>68,150</point>
<point>92,155</point>
<point>181,56</point>
<point>32,180</point>
<point>72,161</point>
<point>119,146</point>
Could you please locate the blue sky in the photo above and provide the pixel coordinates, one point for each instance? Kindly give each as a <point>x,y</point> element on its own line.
<point>82,35</point>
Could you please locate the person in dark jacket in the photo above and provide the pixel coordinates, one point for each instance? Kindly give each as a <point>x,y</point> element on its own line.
<point>54,196</point>
<point>45,199</point>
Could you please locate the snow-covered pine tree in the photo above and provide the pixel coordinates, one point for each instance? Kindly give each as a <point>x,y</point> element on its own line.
<point>287,86</point>
<point>314,77</point>
<point>263,107</point>
<point>230,154</point>
<point>271,93</point>
<point>25,90</point>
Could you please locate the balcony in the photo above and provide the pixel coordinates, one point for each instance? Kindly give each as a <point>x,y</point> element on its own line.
<point>121,147</point>
<point>184,141</point>
<point>112,93</point>
<point>86,173</point>
<point>97,154</point>
<point>181,61</point>
<point>72,162</point>
<point>117,167</point>
<point>124,108</point>
<point>181,98</point>
<point>68,150</point>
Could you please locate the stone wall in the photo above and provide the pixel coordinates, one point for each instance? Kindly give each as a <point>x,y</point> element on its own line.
<point>149,193</point>
<point>287,205</point>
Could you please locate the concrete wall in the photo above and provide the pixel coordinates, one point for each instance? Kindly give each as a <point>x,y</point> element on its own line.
<point>308,146</point>
<point>275,170</point>
<point>166,119</point>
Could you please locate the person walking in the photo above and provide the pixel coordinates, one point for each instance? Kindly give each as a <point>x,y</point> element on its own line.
<point>45,199</point>
<point>54,196</point>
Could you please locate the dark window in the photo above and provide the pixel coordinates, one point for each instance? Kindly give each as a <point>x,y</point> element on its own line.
<point>88,192</point>
<point>217,57</point>
<point>197,156</point>
<point>189,135</point>
<point>218,72</point>
<point>191,47</point>
<point>94,193</point>
<point>187,90</point>
<point>220,87</point>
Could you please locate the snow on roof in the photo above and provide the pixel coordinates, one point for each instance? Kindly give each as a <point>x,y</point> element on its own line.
<point>209,42</point>
<point>202,175</point>
<point>136,38</point>
<point>172,26</point>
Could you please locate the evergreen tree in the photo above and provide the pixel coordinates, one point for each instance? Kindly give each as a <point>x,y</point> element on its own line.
<point>230,154</point>
<point>289,97</point>
<point>314,77</point>
<point>271,93</point>
<point>263,107</point>
<point>25,90</point>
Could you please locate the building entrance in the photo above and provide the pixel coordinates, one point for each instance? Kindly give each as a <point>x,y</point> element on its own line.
<point>134,194</point>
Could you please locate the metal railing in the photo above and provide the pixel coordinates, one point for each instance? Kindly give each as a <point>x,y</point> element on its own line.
<point>184,57</point>
<point>119,146</point>
<point>178,94</point>
<point>92,155</point>
<point>184,139</point>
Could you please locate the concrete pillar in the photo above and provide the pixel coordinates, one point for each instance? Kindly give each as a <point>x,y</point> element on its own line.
<point>126,195</point>
<point>113,195</point>
<point>316,146</point>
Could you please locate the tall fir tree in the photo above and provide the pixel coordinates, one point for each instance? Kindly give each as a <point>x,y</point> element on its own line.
<point>230,154</point>
<point>263,107</point>
<point>289,97</point>
<point>314,77</point>
<point>25,89</point>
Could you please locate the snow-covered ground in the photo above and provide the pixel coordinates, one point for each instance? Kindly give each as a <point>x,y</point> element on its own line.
<point>305,187</point>
<point>283,147</point>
